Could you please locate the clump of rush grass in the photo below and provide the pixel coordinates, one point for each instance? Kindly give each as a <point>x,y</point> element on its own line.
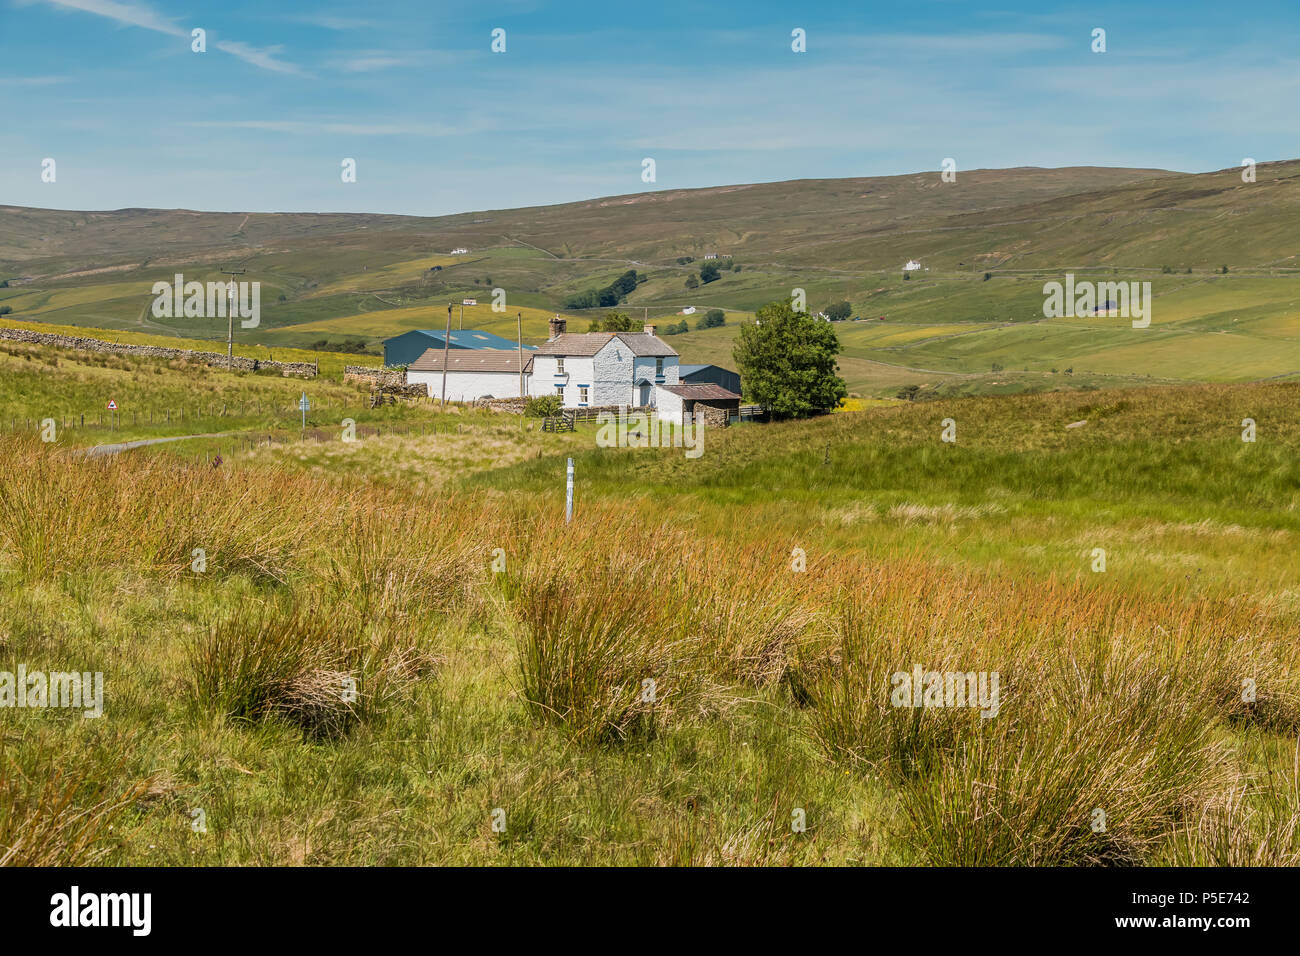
<point>1253,822</point>
<point>707,624</point>
<point>1254,679</point>
<point>604,650</point>
<point>1101,780</point>
<point>396,561</point>
<point>314,665</point>
<point>60,820</point>
<point>61,512</point>
<point>1106,735</point>
<point>36,525</point>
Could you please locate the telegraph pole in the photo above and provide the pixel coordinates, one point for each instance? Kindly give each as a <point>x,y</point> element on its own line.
<point>446,348</point>
<point>230,315</point>
<point>520,338</point>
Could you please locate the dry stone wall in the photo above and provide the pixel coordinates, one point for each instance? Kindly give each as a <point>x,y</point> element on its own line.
<point>368,375</point>
<point>305,369</point>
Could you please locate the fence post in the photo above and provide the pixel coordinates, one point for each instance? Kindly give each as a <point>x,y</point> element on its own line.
<point>568,494</point>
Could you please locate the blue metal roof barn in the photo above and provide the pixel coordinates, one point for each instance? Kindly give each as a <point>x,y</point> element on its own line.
<point>406,348</point>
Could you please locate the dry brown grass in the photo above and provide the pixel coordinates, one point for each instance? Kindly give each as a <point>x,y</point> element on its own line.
<point>59,820</point>
<point>1110,699</point>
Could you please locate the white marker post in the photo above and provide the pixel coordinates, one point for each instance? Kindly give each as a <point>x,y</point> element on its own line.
<point>568,495</point>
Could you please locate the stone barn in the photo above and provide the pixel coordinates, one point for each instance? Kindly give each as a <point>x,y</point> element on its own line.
<point>716,404</point>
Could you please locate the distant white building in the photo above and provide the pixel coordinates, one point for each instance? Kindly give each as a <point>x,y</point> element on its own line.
<point>460,251</point>
<point>689,310</point>
<point>912,266</point>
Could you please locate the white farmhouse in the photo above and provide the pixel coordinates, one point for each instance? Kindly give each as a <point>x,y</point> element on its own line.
<point>588,369</point>
<point>471,373</point>
<point>912,266</point>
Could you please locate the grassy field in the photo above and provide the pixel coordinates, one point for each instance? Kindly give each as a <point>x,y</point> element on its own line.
<point>331,363</point>
<point>697,670</point>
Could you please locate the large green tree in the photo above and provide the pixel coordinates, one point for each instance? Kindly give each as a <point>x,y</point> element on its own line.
<point>613,322</point>
<point>787,362</point>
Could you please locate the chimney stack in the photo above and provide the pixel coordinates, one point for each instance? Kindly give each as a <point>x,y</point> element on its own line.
<point>649,330</point>
<point>558,326</point>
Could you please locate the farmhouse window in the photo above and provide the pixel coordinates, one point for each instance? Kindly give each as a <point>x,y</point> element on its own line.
<point>582,394</point>
<point>559,366</point>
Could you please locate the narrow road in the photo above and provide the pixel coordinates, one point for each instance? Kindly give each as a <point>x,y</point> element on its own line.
<point>100,450</point>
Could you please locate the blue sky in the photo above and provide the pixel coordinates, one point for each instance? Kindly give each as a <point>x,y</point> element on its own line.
<point>438,123</point>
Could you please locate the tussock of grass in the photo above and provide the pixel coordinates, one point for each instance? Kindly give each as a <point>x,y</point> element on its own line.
<point>316,666</point>
<point>1255,821</point>
<point>1100,780</point>
<point>1093,714</point>
<point>51,817</point>
<point>592,660</point>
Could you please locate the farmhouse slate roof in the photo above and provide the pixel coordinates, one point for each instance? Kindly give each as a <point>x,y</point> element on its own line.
<point>471,360</point>
<point>582,344</point>
<point>704,391</point>
<point>644,344</point>
<point>586,344</point>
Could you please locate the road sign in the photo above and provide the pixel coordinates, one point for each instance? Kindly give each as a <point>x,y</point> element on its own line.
<point>303,403</point>
<point>112,405</point>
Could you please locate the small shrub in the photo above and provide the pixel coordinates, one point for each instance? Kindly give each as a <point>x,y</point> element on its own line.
<point>543,406</point>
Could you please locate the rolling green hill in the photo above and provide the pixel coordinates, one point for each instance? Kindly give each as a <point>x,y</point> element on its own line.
<point>971,317</point>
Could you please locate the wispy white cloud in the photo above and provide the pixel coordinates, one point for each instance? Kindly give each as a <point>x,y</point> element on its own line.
<point>296,127</point>
<point>139,15</point>
<point>947,43</point>
<point>128,14</point>
<point>330,22</point>
<point>1005,42</point>
<point>373,61</point>
<point>265,57</point>
<point>370,64</point>
<point>33,80</point>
